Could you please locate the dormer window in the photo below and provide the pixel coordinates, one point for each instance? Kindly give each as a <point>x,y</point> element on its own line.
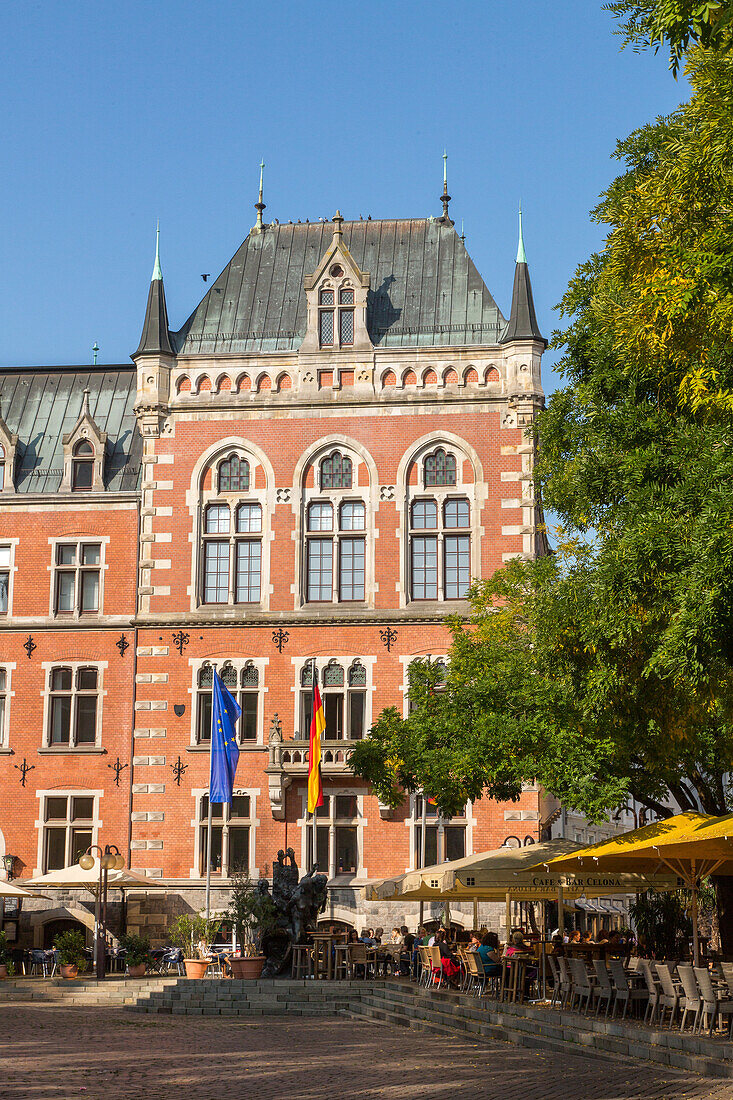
<point>325,317</point>
<point>2,467</point>
<point>346,317</point>
<point>82,476</point>
<point>336,321</point>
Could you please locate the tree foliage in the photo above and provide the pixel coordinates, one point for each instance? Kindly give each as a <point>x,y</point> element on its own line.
<point>678,24</point>
<point>607,669</point>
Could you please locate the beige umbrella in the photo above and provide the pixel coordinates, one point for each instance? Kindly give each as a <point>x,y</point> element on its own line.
<point>7,890</point>
<point>83,878</point>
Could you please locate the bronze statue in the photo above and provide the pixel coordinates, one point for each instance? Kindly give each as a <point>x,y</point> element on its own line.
<point>298,904</point>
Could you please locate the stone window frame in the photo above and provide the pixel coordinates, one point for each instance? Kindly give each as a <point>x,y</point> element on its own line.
<point>360,823</point>
<point>71,748</point>
<point>441,532</point>
<point>7,694</point>
<point>195,870</point>
<point>198,500</point>
<point>76,615</point>
<point>196,664</point>
<point>305,495</point>
<point>475,492</point>
<point>233,538</point>
<point>413,822</point>
<point>85,430</point>
<point>9,544</point>
<point>64,792</point>
<point>347,689</point>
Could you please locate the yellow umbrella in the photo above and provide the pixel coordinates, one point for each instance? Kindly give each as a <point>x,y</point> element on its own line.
<point>690,845</point>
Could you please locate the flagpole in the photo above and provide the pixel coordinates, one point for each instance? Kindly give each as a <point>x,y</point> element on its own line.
<point>422,845</point>
<point>208,830</point>
<point>314,851</point>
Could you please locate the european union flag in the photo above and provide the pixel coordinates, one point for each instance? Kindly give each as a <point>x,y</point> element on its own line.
<point>224,748</point>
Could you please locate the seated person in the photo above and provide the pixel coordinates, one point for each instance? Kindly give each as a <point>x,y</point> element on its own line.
<point>406,954</point>
<point>574,937</point>
<point>395,936</point>
<point>367,937</point>
<point>488,951</point>
<point>448,960</point>
<point>602,936</point>
<point>519,946</point>
<point>586,939</point>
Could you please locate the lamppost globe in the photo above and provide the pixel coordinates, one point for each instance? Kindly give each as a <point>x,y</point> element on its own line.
<point>119,862</point>
<point>86,861</point>
<point>108,861</point>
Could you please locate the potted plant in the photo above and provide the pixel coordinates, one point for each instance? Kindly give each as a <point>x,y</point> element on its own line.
<point>193,934</point>
<point>253,914</point>
<point>137,954</point>
<point>70,946</point>
<point>6,961</point>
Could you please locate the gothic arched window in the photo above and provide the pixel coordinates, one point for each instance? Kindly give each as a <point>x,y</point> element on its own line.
<point>82,473</point>
<point>440,468</point>
<point>234,475</point>
<point>336,471</point>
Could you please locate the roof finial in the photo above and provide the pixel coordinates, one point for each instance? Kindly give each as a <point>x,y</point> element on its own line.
<point>521,254</point>
<point>95,353</point>
<point>85,403</point>
<point>463,235</point>
<point>445,197</point>
<point>157,270</point>
<point>260,205</point>
<point>338,222</point>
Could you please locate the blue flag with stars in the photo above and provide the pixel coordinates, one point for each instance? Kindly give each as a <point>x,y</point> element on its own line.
<point>224,748</point>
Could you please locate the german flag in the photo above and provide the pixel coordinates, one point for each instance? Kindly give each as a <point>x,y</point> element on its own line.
<point>318,726</point>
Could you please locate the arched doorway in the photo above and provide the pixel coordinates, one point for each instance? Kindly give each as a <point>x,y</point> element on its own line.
<point>54,927</point>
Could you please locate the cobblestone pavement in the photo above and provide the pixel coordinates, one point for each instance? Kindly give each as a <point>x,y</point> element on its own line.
<point>59,1053</point>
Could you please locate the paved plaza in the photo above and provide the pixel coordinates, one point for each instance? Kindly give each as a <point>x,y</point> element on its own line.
<point>58,1053</point>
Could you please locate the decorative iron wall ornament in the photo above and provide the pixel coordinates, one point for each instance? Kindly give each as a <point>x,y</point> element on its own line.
<point>389,637</point>
<point>178,769</point>
<point>122,644</point>
<point>179,709</point>
<point>29,646</point>
<point>118,767</point>
<point>181,640</point>
<point>24,768</point>
<point>281,638</point>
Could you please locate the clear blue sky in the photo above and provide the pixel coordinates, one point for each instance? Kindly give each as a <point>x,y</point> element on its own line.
<point>117,114</point>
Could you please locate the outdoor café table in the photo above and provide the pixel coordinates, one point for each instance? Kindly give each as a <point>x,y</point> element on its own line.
<point>341,958</point>
<point>323,953</point>
<point>514,969</point>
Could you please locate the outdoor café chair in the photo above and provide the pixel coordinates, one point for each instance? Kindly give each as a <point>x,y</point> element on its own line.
<point>602,990</point>
<point>555,975</point>
<point>40,960</point>
<point>425,965</point>
<point>359,959</point>
<point>581,988</point>
<point>727,972</point>
<point>671,994</point>
<point>654,988</point>
<point>693,1000</point>
<point>303,961</point>
<point>476,977</point>
<point>712,1005</point>
<point>436,963</point>
<point>624,991</point>
<point>566,982</point>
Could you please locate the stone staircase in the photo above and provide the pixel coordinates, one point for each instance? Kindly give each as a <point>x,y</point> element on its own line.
<point>396,1003</point>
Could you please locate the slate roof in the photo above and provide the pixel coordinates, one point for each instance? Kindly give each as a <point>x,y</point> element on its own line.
<point>41,404</point>
<point>522,319</point>
<point>425,289</point>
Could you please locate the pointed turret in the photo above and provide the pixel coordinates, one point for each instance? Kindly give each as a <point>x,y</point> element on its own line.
<point>522,323</point>
<point>155,339</point>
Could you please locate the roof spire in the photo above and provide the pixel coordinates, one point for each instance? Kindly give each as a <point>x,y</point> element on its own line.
<point>95,353</point>
<point>521,254</point>
<point>157,269</point>
<point>338,223</point>
<point>85,403</point>
<point>260,205</point>
<point>445,197</point>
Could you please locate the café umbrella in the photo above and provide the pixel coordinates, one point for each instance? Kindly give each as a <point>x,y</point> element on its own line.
<point>690,845</point>
<point>7,890</point>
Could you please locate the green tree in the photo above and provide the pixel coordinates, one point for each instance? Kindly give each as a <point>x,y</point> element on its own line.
<point>678,24</point>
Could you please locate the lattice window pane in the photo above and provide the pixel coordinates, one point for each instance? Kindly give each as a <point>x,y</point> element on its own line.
<point>425,515</point>
<point>440,468</point>
<point>234,474</point>
<point>457,513</point>
<point>357,675</point>
<point>326,324</point>
<point>249,518</point>
<point>353,516</point>
<point>333,676</point>
<point>346,297</point>
<point>250,676</point>
<point>249,554</point>
<point>320,516</point>
<point>346,320</point>
<point>424,568</point>
<point>352,569</point>
<point>206,676</point>
<point>336,472</point>
<point>229,676</point>
<point>457,566</point>
<point>320,569</point>
<point>217,519</point>
<point>216,572</point>
<point>327,298</point>
<point>306,676</point>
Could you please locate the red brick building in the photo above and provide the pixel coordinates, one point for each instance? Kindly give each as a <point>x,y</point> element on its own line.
<point>314,466</point>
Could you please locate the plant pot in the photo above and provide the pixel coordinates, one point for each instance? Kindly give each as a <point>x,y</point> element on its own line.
<point>69,970</point>
<point>196,968</point>
<point>250,968</point>
<point>137,971</point>
<point>3,970</point>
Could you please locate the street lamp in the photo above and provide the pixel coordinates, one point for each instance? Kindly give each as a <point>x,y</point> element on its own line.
<point>8,862</point>
<point>110,859</point>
